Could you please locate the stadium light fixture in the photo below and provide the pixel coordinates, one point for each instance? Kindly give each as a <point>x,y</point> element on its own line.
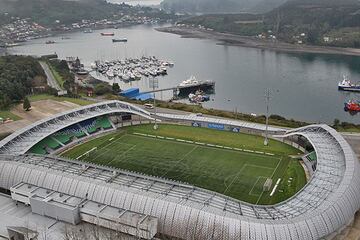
<point>267,101</point>
<point>154,84</point>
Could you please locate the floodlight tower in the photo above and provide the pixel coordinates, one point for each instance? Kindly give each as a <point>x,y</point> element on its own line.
<point>154,83</point>
<point>267,102</point>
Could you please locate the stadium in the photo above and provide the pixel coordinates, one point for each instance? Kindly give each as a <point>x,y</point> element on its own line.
<point>63,169</point>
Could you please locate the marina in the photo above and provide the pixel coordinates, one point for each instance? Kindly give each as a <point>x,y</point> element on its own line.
<point>241,74</point>
<point>131,69</point>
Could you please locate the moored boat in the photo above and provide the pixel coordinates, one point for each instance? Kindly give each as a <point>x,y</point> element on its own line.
<point>352,106</point>
<point>107,34</point>
<point>347,85</point>
<point>115,40</point>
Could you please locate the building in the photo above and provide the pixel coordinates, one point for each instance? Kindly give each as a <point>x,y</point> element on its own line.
<point>82,193</point>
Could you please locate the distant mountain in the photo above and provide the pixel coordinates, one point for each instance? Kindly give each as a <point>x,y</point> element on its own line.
<point>319,22</point>
<point>315,18</point>
<point>267,5</point>
<point>220,6</point>
<point>48,11</point>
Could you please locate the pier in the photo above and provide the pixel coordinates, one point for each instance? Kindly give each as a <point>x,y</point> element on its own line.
<point>179,90</point>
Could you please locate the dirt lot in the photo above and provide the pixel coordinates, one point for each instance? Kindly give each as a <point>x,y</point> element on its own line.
<point>40,109</point>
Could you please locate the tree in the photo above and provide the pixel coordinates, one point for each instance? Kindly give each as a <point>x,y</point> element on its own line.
<point>336,123</point>
<point>102,88</point>
<point>26,104</point>
<point>116,88</point>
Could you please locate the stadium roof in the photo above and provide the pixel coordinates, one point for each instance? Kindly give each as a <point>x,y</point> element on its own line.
<point>22,140</point>
<point>235,123</point>
<point>325,205</point>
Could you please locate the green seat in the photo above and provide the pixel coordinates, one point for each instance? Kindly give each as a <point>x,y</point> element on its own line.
<point>79,134</point>
<point>104,123</point>
<point>51,143</point>
<point>92,130</point>
<point>37,149</point>
<point>63,138</point>
<point>311,156</point>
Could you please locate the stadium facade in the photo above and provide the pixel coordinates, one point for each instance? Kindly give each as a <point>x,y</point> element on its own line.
<point>143,206</point>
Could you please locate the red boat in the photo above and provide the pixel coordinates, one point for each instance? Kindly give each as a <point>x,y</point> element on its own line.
<point>352,106</point>
<point>107,34</point>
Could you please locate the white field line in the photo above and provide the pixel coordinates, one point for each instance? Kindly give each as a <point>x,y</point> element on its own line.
<point>204,144</point>
<point>107,146</point>
<point>237,175</point>
<point>274,189</point>
<point>257,166</point>
<point>93,149</point>
<point>100,148</point>
<point>182,159</point>
<point>250,193</point>
<point>271,178</point>
<point>123,153</point>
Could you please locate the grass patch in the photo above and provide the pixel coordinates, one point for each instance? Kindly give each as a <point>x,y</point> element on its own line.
<point>77,101</point>
<point>8,114</point>
<point>230,139</point>
<point>234,173</point>
<point>291,182</point>
<point>4,135</point>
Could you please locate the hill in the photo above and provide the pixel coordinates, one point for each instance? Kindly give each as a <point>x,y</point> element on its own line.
<point>315,22</point>
<point>46,12</point>
<point>220,6</point>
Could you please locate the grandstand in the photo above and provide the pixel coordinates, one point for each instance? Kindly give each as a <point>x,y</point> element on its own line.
<point>177,210</point>
<point>311,156</point>
<point>71,133</point>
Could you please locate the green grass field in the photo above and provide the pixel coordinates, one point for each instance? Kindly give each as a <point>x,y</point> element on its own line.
<point>8,114</point>
<point>78,101</point>
<point>235,173</point>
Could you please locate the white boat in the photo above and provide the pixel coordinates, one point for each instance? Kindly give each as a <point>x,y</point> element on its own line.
<point>347,85</point>
<point>189,82</point>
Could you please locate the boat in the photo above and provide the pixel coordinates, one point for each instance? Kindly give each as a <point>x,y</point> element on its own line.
<point>198,97</point>
<point>352,106</point>
<point>115,40</point>
<point>107,34</point>
<point>347,85</point>
<point>82,72</point>
<point>88,30</point>
<point>189,82</point>
<point>50,42</point>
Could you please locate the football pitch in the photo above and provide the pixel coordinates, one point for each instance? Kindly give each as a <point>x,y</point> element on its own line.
<point>237,171</point>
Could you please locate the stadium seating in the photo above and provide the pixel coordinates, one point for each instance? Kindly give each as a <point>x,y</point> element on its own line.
<point>104,123</point>
<point>311,156</point>
<point>63,138</point>
<point>66,135</point>
<point>37,149</point>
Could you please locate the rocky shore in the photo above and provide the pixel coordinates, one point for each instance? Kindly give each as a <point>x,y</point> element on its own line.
<point>253,42</point>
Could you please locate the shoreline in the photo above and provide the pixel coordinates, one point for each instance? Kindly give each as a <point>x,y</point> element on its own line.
<point>229,39</point>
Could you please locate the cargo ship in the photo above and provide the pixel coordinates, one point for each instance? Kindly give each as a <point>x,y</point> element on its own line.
<point>347,85</point>
<point>115,40</point>
<point>107,34</point>
<point>352,106</point>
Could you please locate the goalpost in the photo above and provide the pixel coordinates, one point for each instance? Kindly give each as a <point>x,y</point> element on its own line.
<point>267,185</point>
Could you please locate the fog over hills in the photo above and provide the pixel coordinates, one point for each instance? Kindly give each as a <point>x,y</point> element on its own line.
<point>221,6</point>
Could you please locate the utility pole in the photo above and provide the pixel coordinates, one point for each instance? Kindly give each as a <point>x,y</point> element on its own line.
<point>267,102</point>
<point>154,83</point>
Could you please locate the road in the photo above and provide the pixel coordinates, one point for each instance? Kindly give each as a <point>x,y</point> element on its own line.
<point>50,77</point>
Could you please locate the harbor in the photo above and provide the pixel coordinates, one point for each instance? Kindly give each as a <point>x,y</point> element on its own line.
<point>241,74</point>
<point>131,69</point>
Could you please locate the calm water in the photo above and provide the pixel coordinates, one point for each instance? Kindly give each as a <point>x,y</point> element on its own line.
<point>304,85</point>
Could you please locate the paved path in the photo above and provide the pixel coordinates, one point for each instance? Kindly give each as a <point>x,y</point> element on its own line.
<point>50,77</point>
